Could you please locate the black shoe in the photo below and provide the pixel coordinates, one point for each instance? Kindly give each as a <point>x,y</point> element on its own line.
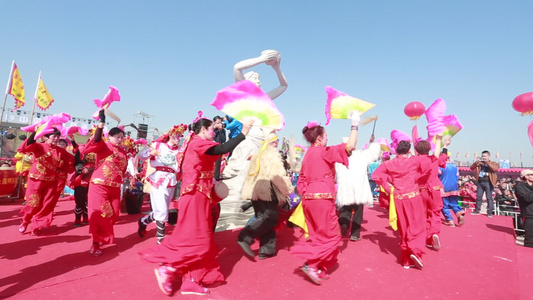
<point>489,215</point>
<point>246,248</point>
<point>475,213</point>
<point>142,228</point>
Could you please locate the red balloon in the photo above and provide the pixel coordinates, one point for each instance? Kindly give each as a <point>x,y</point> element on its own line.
<point>524,103</point>
<point>414,110</point>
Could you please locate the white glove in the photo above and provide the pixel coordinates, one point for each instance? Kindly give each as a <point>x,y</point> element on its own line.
<point>355,117</point>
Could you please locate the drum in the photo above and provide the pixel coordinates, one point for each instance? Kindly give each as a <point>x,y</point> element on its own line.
<point>8,181</point>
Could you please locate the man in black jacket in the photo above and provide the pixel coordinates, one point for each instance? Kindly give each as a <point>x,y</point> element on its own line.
<point>524,194</point>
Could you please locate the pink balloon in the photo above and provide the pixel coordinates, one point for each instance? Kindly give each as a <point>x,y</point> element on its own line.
<point>524,103</point>
<point>414,110</point>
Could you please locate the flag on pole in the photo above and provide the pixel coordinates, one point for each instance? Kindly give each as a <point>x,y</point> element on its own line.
<point>475,155</point>
<point>497,154</point>
<point>521,155</point>
<point>457,155</point>
<point>42,96</point>
<point>15,86</point>
<point>510,153</point>
<point>467,154</point>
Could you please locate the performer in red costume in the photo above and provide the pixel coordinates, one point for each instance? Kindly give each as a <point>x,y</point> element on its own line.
<point>104,190</point>
<point>316,184</point>
<point>403,173</point>
<point>190,251</point>
<point>50,161</point>
<point>430,189</point>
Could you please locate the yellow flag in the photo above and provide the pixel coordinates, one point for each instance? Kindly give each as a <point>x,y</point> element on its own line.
<point>16,87</point>
<point>43,97</point>
<point>393,216</point>
<point>298,218</point>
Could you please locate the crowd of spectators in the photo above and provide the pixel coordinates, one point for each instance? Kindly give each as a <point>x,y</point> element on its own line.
<point>503,194</point>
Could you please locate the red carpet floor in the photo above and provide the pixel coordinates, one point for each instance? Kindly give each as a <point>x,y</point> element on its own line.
<point>477,261</point>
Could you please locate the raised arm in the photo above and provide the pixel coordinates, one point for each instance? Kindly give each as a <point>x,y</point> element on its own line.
<point>273,94</point>
<point>352,139</point>
<point>251,62</point>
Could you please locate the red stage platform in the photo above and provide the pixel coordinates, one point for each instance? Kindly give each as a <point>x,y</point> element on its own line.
<point>477,261</point>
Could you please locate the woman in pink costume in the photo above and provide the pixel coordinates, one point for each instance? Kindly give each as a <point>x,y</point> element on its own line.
<point>430,189</point>
<point>403,173</point>
<point>316,184</point>
<point>190,251</point>
<point>50,161</point>
<point>104,190</point>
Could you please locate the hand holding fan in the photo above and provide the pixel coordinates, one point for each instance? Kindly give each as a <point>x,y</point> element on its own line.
<point>244,100</point>
<point>339,104</point>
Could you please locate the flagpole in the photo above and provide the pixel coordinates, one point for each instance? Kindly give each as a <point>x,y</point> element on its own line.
<point>7,91</point>
<point>35,99</point>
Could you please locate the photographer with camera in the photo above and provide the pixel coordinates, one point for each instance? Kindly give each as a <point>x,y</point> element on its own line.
<point>486,178</point>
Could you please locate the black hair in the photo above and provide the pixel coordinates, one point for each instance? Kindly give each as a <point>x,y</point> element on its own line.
<point>403,147</point>
<point>217,118</point>
<point>486,151</point>
<point>196,127</point>
<point>115,130</point>
<point>55,132</point>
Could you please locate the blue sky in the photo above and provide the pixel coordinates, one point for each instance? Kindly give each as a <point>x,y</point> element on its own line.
<point>169,58</point>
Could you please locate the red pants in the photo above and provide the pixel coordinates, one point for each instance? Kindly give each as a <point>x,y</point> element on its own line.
<point>412,225</point>
<point>433,203</point>
<point>103,210</point>
<point>320,249</point>
<point>41,199</point>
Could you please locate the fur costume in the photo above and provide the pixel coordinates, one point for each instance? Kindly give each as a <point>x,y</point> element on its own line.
<point>257,186</point>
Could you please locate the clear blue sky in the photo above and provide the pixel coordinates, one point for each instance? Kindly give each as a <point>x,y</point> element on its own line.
<point>169,58</point>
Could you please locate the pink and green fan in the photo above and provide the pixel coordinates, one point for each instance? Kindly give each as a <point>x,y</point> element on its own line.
<point>453,126</point>
<point>244,99</point>
<point>385,146</point>
<point>339,104</point>
<point>299,149</point>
